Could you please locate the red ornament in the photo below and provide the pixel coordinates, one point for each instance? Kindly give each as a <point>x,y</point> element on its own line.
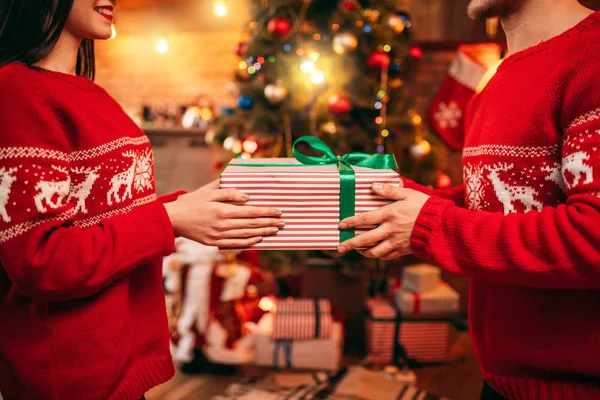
<point>279,27</point>
<point>349,5</point>
<point>443,181</point>
<point>339,104</point>
<point>416,52</point>
<point>378,60</point>
<point>240,49</point>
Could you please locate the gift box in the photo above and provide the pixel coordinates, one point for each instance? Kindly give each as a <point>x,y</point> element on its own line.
<point>420,278</point>
<point>314,193</point>
<point>315,354</point>
<point>443,300</point>
<point>301,319</point>
<point>391,335</point>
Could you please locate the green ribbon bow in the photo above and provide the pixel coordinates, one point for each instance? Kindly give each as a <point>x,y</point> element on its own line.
<point>344,165</point>
<point>347,175</point>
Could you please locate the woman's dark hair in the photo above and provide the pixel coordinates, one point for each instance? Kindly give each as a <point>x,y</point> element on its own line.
<point>29,30</point>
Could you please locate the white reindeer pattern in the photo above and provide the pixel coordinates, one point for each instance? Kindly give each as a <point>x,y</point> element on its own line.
<point>7,178</point>
<point>574,164</point>
<point>509,194</point>
<point>52,192</point>
<point>124,178</point>
<point>82,190</point>
<point>556,176</point>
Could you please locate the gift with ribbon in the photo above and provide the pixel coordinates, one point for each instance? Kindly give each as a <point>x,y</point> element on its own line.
<point>314,192</point>
<point>302,319</point>
<point>312,354</point>
<point>394,334</point>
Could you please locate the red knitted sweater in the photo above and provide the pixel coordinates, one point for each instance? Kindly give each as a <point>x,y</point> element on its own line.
<point>530,236</point>
<point>82,234</point>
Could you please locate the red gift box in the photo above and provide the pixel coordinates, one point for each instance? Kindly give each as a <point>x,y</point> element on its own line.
<point>302,319</point>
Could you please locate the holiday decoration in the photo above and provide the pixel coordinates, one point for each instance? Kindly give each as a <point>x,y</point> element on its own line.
<point>240,49</point>
<point>396,23</point>
<point>250,146</point>
<point>268,184</point>
<point>349,5</point>
<point>344,42</point>
<point>416,52</point>
<point>275,93</point>
<point>443,181</point>
<point>447,111</point>
<point>378,60</point>
<point>208,303</point>
<point>245,102</point>
<point>301,319</point>
<point>318,354</point>
<point>338,104</point>
<point>420,149</point>
<point>355,49</point>
<point>420,278</point>
<point>279,27</point>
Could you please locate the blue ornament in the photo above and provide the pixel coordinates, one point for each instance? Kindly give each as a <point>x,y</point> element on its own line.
<point>227,111</point>
<point>404,16</point>
<point>245,102</point>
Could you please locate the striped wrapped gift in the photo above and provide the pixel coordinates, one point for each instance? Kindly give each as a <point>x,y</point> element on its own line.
<point>302,319</point>
<point>423,338</point>
<point>442,300</point>
<point>308,196</point>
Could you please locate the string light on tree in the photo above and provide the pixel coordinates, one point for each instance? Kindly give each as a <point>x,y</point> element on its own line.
<point>162,46</point>
<point>250,145</point>
<point>275,93</point>
<point>220,8</point>
<point>416,52</point>
<point>317,77</point>
<point>344,42</point>
<point>443,181</point>
<point>307,66</point>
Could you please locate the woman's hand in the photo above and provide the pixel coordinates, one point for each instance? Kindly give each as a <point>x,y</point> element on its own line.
<point>206,217</point>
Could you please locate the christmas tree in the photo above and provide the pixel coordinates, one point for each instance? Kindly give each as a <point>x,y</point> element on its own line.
<point>339,70</point>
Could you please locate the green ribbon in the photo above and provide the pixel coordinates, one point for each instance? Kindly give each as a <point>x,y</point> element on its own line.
<point>344,165</point>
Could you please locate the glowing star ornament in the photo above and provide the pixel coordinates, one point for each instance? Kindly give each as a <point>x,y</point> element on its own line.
<point>344,43</point>
<point>275,94</point>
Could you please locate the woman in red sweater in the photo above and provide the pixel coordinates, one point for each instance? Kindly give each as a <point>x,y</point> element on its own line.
<point>82,233</point>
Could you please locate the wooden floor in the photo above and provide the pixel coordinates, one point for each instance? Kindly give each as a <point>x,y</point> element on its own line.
<point>460,381</point>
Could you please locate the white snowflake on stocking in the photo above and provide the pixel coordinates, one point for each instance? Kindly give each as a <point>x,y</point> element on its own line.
<point>473,177</point>
<point>144,171</point>
<point>448,115</point>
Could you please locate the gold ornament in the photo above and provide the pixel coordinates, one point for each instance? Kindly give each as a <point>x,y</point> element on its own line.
<point>372,15</point>
<point>329,127</point>
<point>396,23</point>
<point>344,43</point>
<point>420,149</point>
<point>275,93</point>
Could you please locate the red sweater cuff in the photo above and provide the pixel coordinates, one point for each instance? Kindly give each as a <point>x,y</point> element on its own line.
<point>168,198</point>
<point>427,226</point>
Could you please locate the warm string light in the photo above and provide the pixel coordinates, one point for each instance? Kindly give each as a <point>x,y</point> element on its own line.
<point>220,8</point>
<point>162,46</point>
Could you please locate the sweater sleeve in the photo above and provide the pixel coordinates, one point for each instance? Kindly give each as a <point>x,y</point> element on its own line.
<point>46,256</point>
<point>171,197</point>
<point>556,248</point>
<point>455,194</point>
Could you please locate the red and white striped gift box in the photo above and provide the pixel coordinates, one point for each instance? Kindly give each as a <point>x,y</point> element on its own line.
<point>308,196</point>
<point>381,327</point>
<point>424,341</point>
<point>302,319</point>
<point>443,300</point>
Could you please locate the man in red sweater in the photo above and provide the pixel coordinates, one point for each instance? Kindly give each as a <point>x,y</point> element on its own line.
<point>525,226</point>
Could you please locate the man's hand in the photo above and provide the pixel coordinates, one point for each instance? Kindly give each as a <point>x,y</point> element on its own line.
<point>392,237</point>
<point>207,216</point>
